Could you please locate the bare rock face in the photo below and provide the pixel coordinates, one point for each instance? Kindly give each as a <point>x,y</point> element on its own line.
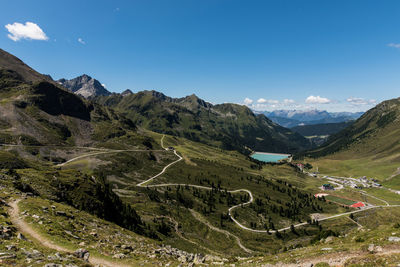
<point>85,86</point>
<point>394,239</point>
<point>126,92</point>
<point>82,254</point>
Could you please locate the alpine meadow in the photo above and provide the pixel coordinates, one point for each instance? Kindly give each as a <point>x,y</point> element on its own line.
<point>253,133</point>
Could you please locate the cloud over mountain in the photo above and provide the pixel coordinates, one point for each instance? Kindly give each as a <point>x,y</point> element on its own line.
<point>247,101</point>
<point>317,100</point>
<point>360,101</point>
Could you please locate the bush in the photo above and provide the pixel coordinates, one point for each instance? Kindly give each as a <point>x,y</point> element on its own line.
<point>359,239</point>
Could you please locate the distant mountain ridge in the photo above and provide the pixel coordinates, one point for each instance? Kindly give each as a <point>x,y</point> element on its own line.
<point>85,86</point>
<point>229,126</point>
<point>293,118</point>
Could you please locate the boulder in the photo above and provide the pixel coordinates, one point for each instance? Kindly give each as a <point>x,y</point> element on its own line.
<point>86,257</point>
<point>119,256</point>
<point>329,239</point>
<point>34,254</point>
<point>371,247</point>
<point>82,254</point>
<point>21,236</point>
<point>182,259</point>
<point>6,232</point>
<point>394,239</point>
<point>11,247</point>
<point>61,213</point>
<point>6,255</point>
<point>198,259</point>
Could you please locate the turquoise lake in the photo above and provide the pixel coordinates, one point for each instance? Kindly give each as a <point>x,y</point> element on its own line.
<point>268,157</point>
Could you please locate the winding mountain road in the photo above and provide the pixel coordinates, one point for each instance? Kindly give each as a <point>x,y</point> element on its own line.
<point>106,152</point>
<point>27,229</point>
<point>143,184</point>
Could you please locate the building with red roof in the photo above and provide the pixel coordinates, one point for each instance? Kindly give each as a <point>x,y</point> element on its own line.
<point>358,205</point>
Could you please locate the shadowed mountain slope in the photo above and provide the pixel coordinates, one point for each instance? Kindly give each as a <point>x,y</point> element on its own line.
<point>229,126</point>
<point>36,110</point>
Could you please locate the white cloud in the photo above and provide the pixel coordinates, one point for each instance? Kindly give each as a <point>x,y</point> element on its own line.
<point>247,101</point>
<point>317,100</point>
<point>29,30</point>
<point>269,101</point>
<point>104,85</point>
<point>360,101</point>
<point>81,41</point>
<point>395,45</point>
<point>288,101</point>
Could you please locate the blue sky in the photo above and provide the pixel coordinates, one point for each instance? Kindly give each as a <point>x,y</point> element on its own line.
<point>333,55</point>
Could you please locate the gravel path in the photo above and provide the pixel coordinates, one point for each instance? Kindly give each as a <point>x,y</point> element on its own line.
<point>27,230</point>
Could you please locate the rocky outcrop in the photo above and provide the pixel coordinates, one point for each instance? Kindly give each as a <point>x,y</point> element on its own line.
<point>126,92</point>
<point>82,254</point>
<point>85,86</point>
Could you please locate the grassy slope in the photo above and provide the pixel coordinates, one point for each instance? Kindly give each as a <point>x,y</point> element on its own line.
<point>353,244</point>
<point>209,161</point>
<point>102,238</point>
<point>228,126</point>
<point>370,147</point>
<point>159,209</point>
<point>205,165</point>
<point>321,129</point>
<point>233,170</point>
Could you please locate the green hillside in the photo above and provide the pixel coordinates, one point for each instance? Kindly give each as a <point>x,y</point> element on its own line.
<point>150,180</point>
<point>229,126</point>
<point>370,146</point>
<point>320,129</point>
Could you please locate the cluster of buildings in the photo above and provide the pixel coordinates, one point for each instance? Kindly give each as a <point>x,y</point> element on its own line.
<point>362,182</point>
<point>358,183</point>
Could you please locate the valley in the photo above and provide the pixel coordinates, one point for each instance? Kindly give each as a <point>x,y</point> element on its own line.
<point>145,179</point>
<point>238,237</point>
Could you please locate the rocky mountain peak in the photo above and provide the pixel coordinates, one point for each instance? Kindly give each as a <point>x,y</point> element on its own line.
<point>126,92</point>
<point>85,86</point>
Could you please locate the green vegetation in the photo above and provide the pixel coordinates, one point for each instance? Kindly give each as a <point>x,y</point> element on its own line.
<point>321,129</point>
<point>373,128</point>
<point>62,224</point>
<point>228,126</point>
<point>369,147</point>
<point>340,200</point>
<point>10,161</point>
<point>75,165</point>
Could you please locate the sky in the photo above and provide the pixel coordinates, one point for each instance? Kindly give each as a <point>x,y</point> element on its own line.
<point>331,55</point>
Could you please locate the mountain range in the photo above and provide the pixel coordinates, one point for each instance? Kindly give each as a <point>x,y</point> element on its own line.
<point>229,126</point>
<point>146,178</point>
<point>292,118</point>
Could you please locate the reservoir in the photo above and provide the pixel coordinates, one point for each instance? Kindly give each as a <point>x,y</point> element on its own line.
<point>269,157</point>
